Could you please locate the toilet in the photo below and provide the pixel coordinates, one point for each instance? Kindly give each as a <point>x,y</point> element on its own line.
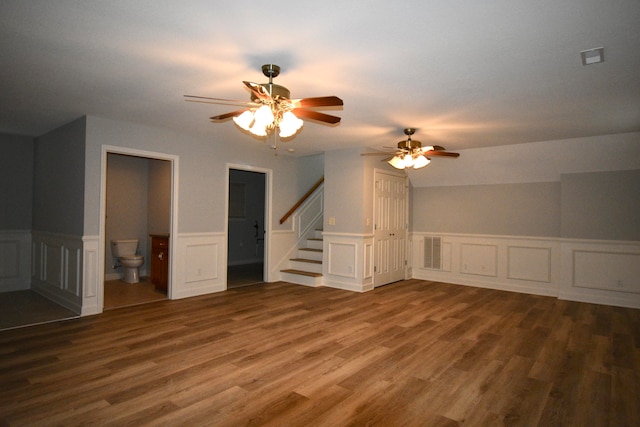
<point>125,252</point>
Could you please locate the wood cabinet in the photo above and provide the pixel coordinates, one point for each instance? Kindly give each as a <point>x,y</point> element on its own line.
<point>160,261</point>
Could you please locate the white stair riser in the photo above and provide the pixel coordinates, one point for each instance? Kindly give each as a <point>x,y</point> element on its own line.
<point>314,255</point>
<point>314,244</point>
<point>299,279</point>
<point>306,266</point>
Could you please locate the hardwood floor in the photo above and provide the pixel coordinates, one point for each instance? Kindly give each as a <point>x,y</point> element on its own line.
<point>244,275</point>
<point>410,353</point>
<point>118,293</point>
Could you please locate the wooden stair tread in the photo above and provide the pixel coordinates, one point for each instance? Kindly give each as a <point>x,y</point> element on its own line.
<point>310,249</point>
<point>312,261</point>
<point>302,273</point>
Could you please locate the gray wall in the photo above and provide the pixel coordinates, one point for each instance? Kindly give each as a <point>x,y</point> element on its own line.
<point>159,197</point>
<point>595,205</point>
<point>601,205</point>
<point>126,204</point>
<point>58,183</point>
<point>16,182</point>
<point>202,172</point>
<point>348,190</point>
<point>504,209</point>
<point>585,188</point>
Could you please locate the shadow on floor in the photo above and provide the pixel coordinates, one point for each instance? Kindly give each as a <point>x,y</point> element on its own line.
<point>26,308</point>
<point>244,275</point>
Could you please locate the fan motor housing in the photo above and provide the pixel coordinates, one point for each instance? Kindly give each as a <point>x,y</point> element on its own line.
<point>274,90</point>
<point>410,144</point>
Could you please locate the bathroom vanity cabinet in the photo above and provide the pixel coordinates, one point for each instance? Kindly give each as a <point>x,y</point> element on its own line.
<point>160,261</point>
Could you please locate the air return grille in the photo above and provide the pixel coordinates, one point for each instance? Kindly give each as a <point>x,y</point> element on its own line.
<point>433,252</point>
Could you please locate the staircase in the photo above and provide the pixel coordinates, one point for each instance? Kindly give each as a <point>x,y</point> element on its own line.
<point>306,267</point>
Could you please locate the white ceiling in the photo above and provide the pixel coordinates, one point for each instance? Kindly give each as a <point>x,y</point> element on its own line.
<point>466,73</point>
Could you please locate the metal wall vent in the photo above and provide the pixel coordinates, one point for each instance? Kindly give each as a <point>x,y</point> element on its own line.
<point>433,252</point>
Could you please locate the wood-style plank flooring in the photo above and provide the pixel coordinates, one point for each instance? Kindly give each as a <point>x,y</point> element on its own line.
<point>411,353</point>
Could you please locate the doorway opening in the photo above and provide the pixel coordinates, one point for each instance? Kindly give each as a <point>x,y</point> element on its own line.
<point>246,227</point>
<point>137,206</point>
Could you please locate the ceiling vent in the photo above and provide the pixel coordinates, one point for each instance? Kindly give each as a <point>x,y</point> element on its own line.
<point>592,56</point>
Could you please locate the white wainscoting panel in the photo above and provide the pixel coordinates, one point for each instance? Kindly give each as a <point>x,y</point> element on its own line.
<point>348,261</point>
<point>57,268</point>
<point>529,263</point>
<point>479,259</point>
<point>342,259</point>
<point>601,272</point>
<point>15,260</point>
<point>519,264</point>
<point>368,261</point>
<point>92,287</point>
<point>199,264</point>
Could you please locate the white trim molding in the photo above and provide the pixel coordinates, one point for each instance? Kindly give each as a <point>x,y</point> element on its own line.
<point>599,272</point>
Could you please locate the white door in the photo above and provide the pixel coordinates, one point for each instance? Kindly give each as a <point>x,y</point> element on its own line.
<point>390,228</point>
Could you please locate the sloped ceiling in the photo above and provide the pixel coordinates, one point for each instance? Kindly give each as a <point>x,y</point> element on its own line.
<point>466,73</point>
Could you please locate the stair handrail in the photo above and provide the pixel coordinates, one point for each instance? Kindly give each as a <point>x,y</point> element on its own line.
<point>302,200</point>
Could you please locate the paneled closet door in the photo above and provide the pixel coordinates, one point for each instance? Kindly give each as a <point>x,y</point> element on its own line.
<point>390,228</point>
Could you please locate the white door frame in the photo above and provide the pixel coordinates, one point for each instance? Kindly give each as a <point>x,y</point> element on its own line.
<point>267,212</point>
<point>112,149</point>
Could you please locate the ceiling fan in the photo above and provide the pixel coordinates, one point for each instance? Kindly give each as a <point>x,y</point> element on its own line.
<point>271,107</point>
<point>411,153</point>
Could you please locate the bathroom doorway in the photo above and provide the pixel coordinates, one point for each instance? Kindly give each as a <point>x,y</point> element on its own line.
<point>246,225</point>
<point>137,205</point>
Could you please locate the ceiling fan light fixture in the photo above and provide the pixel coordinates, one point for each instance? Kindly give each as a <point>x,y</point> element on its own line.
<point>397,162</point>
<point>263,116</point>
<point>271,108</point>
<point>408,160</point>
<point>244,120</point>
<point>289,124</point>
<point>258,130</point>
<point>420,162</point>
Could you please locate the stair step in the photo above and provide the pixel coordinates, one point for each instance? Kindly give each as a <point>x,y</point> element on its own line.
<point>310,249</point>
<point>311,261</point>
<point>314,243</point>
<point>302,273</point>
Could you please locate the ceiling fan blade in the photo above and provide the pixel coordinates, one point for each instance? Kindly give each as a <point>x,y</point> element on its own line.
<point>375,154</point>
<point>228,115</point>
<point>438,147</point>
<point>314,115</point>
<point>258,90</point>
<point>321,101</point>
<point>440,153</point>
<point>209,100</point>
